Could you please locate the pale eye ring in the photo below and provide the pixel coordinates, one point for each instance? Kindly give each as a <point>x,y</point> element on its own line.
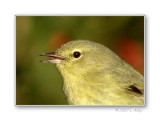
<point>76,54</point>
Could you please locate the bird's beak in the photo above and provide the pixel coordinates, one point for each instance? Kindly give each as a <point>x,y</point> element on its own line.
<point>54,58</point>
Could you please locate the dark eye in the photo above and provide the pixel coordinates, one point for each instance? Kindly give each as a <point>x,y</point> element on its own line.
<point>76,54</point>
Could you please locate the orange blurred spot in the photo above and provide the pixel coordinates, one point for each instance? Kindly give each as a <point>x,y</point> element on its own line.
<point>58,39</point>
<point>132,52</point>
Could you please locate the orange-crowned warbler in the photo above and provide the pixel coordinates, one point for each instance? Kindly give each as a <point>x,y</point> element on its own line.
<point>95,75</point>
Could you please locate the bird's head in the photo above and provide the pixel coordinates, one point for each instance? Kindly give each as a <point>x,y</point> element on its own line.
<point>80,56</point>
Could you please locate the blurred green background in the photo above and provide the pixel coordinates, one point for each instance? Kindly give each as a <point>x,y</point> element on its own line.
<point>42,84</point>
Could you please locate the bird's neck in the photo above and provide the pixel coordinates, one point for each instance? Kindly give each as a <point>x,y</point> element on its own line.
<point>74,89</point>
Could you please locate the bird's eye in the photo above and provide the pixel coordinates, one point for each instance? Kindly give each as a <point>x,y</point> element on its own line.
<point>76,54</point>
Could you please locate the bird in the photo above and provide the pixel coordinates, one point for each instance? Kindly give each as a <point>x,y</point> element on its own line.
<point>94,75</point>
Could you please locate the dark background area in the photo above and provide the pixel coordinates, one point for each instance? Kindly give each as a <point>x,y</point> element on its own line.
<point>41,84</point>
